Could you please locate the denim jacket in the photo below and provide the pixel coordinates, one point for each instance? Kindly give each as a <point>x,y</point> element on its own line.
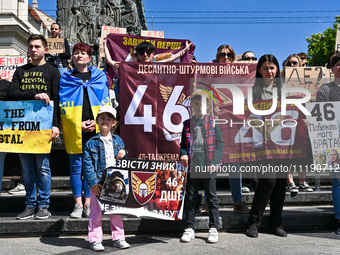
<point>94,157</point>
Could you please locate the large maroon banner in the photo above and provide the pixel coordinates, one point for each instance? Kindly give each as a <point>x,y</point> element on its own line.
<point>154,101</point>
<point>153,105</point>
<point>252,137</point>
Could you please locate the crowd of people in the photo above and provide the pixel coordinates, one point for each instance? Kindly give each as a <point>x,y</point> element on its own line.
<point>92,146</point>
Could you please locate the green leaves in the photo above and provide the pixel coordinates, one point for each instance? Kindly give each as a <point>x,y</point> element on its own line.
<point>321,45</point>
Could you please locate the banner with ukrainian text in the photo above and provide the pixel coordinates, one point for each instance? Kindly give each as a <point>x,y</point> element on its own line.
<point>324,134</point>
<point>25,126</point>
<point>153,189</point>
<point>121,46</point>
<point>155,102</point>
<point>252,137</point>
<point>153,105</point>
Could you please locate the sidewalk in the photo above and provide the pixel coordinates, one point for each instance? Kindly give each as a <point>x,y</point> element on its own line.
<point>311,242</point>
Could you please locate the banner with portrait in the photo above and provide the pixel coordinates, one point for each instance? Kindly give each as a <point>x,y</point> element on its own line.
<point>144,188</point>
<point>25,126</point>
<point>324,134</point>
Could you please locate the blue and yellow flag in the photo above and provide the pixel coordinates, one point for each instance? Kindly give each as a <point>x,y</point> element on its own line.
<point>71,94</point>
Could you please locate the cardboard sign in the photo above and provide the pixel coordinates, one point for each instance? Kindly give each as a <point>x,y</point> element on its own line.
<point>105,31</point>
<point>55,45</point>
<point>149,33</point>
<point>337,42</point>
<point>324,135</point>
<point>310,78</point>
<point>8,65</point>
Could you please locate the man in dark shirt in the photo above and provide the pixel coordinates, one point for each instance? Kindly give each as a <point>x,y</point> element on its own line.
<point>37,81</point>
<point>59,60</point>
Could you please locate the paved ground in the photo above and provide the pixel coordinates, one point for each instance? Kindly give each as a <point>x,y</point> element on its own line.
<point>318,242</point>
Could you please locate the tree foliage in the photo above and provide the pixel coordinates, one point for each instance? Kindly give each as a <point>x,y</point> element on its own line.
<point>321,45</point>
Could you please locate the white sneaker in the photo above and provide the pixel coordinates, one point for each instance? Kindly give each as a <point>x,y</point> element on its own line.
<point>77,211</point>
<point>188,235</point>
<point>97,246</point>
<point>121,244</point>
<point>245,189</point>
<point>213,235</point>
<point>18,190</point>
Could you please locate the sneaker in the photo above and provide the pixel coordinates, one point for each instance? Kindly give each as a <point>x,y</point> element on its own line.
<point>279,231</point>
<point>304,186</point>
<point>245,190</point>
<point>205,209</point>
<point>188,235</point>
<point>26,214</point>
<point>121,244</point>
<point>18,190</point>
<point>241,207</point>
<point>97,246</point>
<point>213,235</point>
<point>86,211</point>
<point>77,211</point>
<point>42,214</point>
<point>253,230</point>
<point>291,187</point>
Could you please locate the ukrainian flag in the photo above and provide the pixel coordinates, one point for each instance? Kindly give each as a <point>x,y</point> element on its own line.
<point>71,94</point>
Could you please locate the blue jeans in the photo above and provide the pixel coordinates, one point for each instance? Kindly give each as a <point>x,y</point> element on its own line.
<point>336,193</point>
<point>2,164</point>
<point>235,182</point>
<point>77,180</point>
<point>37,178</point>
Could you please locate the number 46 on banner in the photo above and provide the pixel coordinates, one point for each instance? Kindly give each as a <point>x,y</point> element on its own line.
<point>147,120</point>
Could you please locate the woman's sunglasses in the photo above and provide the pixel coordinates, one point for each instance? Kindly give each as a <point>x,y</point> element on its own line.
<point>250,58</point>
<point>292,64</point>
<point>229,55</point>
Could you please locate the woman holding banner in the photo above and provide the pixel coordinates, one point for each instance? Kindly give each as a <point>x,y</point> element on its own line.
<point>82,92</point>
<point>271,185</point>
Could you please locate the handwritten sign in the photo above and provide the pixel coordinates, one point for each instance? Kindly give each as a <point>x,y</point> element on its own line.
<point>324,134</point>
<point>105,31</point>
<point>310,78</point>
<point>149,33</point>
<point>55,45</point>
<point>25,126</point>
<point>8,65</point>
